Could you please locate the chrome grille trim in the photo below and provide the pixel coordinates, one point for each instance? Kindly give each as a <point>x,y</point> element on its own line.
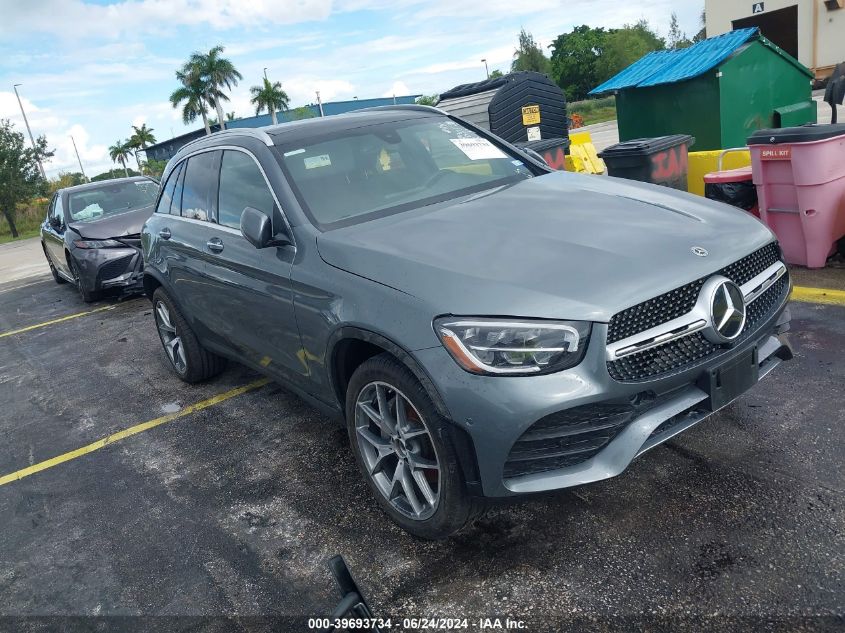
<point>693,321</point>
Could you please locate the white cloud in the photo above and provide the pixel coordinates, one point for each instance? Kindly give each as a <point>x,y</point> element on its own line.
<point>399,88</point>
<point>77,18</point>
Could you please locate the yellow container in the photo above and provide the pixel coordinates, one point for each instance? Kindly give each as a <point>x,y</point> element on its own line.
<point>582,154</point>
<point>702,163</point>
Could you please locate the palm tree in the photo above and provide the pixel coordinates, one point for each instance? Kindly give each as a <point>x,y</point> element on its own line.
<point>269,96</point>
<point>216,73</point>
<point>192,93</point>
<point>141,137</point>
<point>120,153</point>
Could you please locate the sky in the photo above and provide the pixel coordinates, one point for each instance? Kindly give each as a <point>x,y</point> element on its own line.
<point>92,68</point>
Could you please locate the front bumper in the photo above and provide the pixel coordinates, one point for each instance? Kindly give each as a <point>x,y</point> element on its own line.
<point>111,268</point>
<point>496,412</point>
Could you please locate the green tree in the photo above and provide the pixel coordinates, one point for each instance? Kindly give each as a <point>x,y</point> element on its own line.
<point>302,112</point>
<point>270,97</point>
<point>429,100</point>
<point>231,116</point>
<point>574,62</point>
<point>141,137</point>
<point>191,96</point>
<point>528,55</point>
<point>20,178</point>
<point>676,39</point>
<point>496,73</point>
<point>120,153</point>
<point>215,73</point>
<point>624,46</point>
<point>65,179</point>
<point>154,168</point>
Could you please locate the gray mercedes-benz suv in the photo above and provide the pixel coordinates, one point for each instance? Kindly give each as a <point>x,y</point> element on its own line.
<point>486,327</point>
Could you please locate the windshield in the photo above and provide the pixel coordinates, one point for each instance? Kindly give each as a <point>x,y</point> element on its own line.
<point>390,167</point>
<point>111,199</point>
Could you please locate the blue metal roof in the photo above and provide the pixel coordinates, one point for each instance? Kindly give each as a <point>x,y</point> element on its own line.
<point>666,67</point>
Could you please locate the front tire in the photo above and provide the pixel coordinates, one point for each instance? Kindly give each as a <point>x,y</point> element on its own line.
<point>190,360</point>
<point>404,450</point>
<point>88,296</point>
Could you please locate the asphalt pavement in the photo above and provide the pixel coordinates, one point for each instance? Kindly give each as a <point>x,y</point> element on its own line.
<point>233,510</point>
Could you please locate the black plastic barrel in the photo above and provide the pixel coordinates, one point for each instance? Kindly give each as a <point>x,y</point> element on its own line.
<point>552,151</point>
<point>661,160</point>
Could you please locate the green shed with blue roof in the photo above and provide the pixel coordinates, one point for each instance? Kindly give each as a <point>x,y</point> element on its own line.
<point>719,90</point>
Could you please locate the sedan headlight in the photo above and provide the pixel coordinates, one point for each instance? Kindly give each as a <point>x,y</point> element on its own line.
<point>98,244</point>
<point>513,347</point>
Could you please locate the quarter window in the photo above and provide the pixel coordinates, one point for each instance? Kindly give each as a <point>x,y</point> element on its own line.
<point>241,185</point>
<point>199,186</point>
<point>166,199</point>
<point>176,203</point>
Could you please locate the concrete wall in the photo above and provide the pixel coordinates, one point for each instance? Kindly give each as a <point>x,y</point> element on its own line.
<point>830,26</point>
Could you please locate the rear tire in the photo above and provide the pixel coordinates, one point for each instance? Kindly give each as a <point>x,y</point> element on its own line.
<point>56,276</point>
<point>188,359</point>
<point>399,465</point>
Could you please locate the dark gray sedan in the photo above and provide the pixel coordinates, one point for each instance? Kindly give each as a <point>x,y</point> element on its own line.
<point>91,236</point>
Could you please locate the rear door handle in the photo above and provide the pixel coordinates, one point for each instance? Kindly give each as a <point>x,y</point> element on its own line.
<point>164,233</point>
<point>215,245</point>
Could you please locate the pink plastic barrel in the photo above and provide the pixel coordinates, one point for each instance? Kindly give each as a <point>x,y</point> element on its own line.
<point>800,177</point>
<point>726,176</point>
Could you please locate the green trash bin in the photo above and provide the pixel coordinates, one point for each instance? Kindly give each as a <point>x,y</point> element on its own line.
<point>661,160</point>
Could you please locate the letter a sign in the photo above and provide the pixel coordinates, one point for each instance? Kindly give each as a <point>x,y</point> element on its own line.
<point>757,7</point>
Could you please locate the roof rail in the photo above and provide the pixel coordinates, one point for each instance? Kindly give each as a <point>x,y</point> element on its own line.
<point>400,106</point>
<point>257,133</point>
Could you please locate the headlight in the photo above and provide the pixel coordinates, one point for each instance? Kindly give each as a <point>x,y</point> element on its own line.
<point>500,346</point>
<point>98,244</point>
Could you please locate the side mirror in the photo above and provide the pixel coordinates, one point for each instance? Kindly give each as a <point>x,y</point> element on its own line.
<point>258,230</point>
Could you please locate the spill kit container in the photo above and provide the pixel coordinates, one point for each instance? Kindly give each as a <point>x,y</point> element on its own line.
<point>800,177</point>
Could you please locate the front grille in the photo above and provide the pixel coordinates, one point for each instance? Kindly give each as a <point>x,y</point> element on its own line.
<point>685,352</point>
<point>679,301</point>
<point>114,268</point>
<point>567,438</point>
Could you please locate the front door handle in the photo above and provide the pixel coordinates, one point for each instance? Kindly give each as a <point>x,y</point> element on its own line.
<point>164,233</point>
<point>215,245</point>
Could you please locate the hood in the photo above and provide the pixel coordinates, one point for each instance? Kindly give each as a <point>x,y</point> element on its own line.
<point>561,245</point>
<point>119,225</point>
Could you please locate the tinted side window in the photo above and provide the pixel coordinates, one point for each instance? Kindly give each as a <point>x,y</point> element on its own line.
<point>241,185</point>
<point>176,203</point>
<point>58,212</point>
<point>167,193</point>
<point>199,186</point>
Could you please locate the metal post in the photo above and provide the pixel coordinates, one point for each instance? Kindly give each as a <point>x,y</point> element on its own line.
<point>487,70</point>
<point>265,73</point>
<point>72,140</point>
<point>31,140</point>
<point>320,103</point>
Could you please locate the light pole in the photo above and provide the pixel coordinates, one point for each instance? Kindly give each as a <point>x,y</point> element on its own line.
<point>487,70</point>
<point>265,73</point>
<point>31,140</point>
<point>320,103</point>
<point>80,160</point>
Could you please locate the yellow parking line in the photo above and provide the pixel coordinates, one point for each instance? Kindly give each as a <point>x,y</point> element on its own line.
<point>54,321</point>
<point>819,295</point>
<point>132,430</point>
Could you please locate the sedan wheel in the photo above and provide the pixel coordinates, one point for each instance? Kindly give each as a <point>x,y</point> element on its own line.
<point>397,450</point>
<point>170,338</point>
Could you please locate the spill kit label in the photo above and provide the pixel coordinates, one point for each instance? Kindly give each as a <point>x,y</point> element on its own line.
<point>478,148</point>
<point>534,134</point>
<point>776,153</point>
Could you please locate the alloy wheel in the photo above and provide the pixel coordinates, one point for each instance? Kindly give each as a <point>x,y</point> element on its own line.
<point>397,450</point>
<point>170,338</point>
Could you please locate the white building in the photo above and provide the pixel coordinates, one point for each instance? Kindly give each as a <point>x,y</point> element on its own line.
<point>813,31</point>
